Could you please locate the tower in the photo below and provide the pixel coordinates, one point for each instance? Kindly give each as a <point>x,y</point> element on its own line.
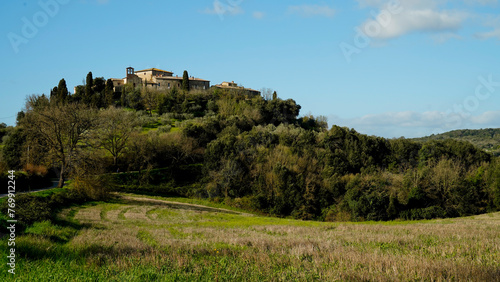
<point>130,72</point>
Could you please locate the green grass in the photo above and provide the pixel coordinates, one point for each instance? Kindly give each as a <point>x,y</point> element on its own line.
<point>56,233</point>
<point>43,193</point>
<point>138,238</point>
<point>49,192</point>
<point>203,202</point>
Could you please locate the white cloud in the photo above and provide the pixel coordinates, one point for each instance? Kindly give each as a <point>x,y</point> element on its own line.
<point>443,37</point>
<point>407,4</point>
<point>486,118</point>
<point>413,124</point>
<point>221,8</point>
<point>398,18</point>
<point>258,15</point>
<point>481,2</point>
<point>312,10</point>
<point>416,20</point>
<point>492,22</point>
<point>490,34</point>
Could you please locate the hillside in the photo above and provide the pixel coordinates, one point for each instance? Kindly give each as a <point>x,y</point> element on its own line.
<point>249,151</point>
<point>485,139</point>
<point>160,239</point>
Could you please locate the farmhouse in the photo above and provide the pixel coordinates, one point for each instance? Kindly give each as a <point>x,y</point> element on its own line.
<point>157,79</point>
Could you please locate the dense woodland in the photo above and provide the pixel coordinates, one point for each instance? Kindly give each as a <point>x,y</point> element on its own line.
<point>486,139</point>
<point>255,153</point>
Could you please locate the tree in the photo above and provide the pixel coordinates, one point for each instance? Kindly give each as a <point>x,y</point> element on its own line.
<point>13,149</point>
<point>108,93</point>
<point>37,102</point>
<point>3,130</point>
<point>113,131</point>
<point>79,93</point>
<point>62,91</point>
<point>150,99</point>
<point>89,92</point>
<point>20,116</point>
<point>99,84</point>
<point>98,99</point>
<point>61,129</point>
<point>53,94</point>
<point>185,81</point>
<point>267,93</point>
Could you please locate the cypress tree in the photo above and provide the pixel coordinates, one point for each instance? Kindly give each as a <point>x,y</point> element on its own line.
<point>87,98</point>
<point>185,81</point>
<point>98,95</point>
<point>62,91</point>
<point>108,93</point>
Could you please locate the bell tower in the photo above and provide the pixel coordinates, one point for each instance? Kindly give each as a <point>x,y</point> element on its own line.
<point>130,72</point>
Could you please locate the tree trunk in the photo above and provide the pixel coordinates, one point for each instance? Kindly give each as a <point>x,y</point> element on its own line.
<point>61,178</point>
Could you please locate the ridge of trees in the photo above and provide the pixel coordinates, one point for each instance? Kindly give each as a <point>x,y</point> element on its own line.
<point>487,139</point>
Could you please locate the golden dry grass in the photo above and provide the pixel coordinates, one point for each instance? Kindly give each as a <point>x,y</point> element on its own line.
<point>153,231</point>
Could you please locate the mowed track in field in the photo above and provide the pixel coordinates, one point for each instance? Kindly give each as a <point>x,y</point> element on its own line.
<point>198,238</point>
<point>141,223</point>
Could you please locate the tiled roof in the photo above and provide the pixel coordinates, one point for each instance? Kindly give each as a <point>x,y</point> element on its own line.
<point>180,78</point>
<point>235,87</point>
<point>153,69</point>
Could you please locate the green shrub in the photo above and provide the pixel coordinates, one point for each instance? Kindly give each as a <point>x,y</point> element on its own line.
<point>424,213</point>
<point>29,209</point>
<point>92,186</point>
<point>164,129</point>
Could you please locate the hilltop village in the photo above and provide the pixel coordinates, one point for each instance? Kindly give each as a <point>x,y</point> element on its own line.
<point>163,80</point>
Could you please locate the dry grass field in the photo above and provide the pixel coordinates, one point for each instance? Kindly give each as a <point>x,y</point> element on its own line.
<point>144,239</point>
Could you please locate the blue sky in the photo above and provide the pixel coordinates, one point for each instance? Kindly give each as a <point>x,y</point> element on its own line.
<point>387,68</point>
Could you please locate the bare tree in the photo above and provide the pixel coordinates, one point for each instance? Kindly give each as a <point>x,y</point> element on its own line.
<point>61,128</point>
<point>267,93</point>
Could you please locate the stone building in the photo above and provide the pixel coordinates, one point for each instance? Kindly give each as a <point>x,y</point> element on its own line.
<point>157,79</point>
<point>234,87</point>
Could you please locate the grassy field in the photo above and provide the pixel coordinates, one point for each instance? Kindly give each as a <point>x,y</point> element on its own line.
<point>154,239</point>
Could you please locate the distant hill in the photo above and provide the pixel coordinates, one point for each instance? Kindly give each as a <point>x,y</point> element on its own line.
<point>486,139</point>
